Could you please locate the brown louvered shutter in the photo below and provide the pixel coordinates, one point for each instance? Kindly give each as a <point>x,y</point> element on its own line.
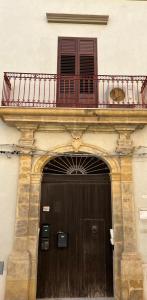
<point>67,56</point>
<point>67,69</point>
<point>87,67</point>
<point>77,66</point>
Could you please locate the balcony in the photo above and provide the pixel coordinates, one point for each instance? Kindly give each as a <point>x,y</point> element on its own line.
<point>51,91</point>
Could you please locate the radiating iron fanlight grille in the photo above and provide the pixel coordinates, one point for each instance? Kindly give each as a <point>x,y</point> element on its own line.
<point>76,164</point>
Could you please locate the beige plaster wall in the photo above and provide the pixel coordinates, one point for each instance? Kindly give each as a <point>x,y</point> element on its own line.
<point>29,43</point>
<point>46,140</point>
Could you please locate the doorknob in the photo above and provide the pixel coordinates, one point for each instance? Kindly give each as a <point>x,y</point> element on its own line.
<point>94,229</point>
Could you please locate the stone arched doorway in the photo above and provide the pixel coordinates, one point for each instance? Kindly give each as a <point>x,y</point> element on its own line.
<point>22,264</point>
<point>75,254</point>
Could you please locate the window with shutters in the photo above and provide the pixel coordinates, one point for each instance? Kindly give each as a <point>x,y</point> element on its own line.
<point>77,71</point>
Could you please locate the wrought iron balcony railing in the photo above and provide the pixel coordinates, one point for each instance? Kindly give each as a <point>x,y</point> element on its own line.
<point>49,90</point>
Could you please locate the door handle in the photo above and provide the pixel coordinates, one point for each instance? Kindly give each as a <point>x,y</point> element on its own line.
<point>112,237</point>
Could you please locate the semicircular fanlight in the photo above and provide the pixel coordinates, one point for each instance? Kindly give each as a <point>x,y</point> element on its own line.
<point>75,164</point>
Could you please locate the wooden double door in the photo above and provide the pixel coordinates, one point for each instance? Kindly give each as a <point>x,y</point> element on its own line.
<point>77,258</point>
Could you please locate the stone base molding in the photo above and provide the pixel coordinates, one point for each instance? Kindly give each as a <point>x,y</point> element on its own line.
<point>131,277</point>
<point>18,276</point>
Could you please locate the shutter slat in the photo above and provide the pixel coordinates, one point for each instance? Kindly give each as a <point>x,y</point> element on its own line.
<point>68,46</point>
<point>86,46</point>
<point>86,65</point>
<point>67,64</point>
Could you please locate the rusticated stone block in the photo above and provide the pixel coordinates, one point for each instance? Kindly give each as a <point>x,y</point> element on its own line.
<point>117,218</point>
<point>118,249</point>
<point>125,290</point>
<point>17,290</point>
<point>34,198</point>
<point>19,266</point>
<point>32,289</point>
<point>22,211</point>
<point>34,211</point>
<point>135,284</point>
<point>127,187</point>
<point>20,244</point>
<point>21,228</point>
<point>35,188</point>
<point>117,266</point>
<point>32,246</point>
<point>24,188</point>
<point>33,227</point>
<point>136,294</point>
<point>23,198</point>
<point>131,277</point>
<point>118,233</point>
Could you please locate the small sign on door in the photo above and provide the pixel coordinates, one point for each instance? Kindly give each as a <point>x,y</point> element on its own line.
<point>46,208</point>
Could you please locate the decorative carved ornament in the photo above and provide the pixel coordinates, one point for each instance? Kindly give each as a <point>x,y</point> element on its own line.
<point>124,142</point>
<point>117,94</point>
<point>76,139</point>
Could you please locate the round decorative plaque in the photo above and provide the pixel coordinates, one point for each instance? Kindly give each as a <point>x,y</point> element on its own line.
<point>117,94</point>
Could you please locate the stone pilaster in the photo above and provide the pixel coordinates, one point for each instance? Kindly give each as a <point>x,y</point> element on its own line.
<point>34,216</point>
<point>17,282</point>
<point>131,267</point>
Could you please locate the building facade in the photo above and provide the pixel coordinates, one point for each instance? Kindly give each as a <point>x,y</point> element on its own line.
<point>73,131</point>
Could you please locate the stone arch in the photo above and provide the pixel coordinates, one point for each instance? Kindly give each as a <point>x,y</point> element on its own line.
<point>111,161</point>
<point>113,164</point>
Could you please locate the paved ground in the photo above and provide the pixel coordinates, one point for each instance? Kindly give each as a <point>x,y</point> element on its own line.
<point>104,298</point>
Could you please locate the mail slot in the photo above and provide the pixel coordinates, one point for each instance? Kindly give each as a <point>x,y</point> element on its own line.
<point>62,239</point>
<point>45,231</point>
<point>45,237</point>
<point>44,244</point>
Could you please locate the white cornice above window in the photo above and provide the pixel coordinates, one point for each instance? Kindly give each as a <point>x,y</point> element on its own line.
<point>77,18</point>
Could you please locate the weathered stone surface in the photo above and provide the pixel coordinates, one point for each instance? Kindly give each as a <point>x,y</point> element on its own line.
<point>33,247</point>
<point>34,211</point>
<point>19,266</point>
<point>32,289</point>
<point>136,294</point>
<point>22,270</point>
<point>118,233</point>
<point>20,243</point>
<point>21,228</point>
<point>17,290</point>
<point>33,227</point>
<point>22,211</point>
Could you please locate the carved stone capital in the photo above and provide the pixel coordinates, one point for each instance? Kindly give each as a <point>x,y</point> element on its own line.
<point>124,142</point>
<point>26,141</point>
